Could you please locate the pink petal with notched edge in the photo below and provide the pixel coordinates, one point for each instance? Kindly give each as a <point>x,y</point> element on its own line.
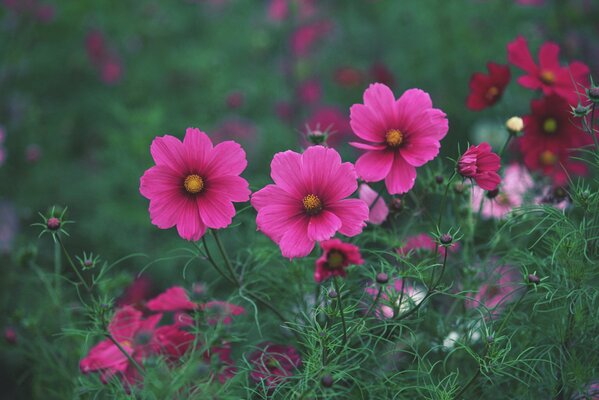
<point>228,158</point>
<point>231,187</point>
<point>159,180</point>
<point>216,212</point>
<point>367,124</point>
<point>168,150</point>
<point>165,209</point>
<point>189,224</point>
<point>272,194</point>
<point>519,55</point>
<point>352,213</point>
<point>285,172</point>
<point>274,219</point>
<point>105,355</point>
<point>401,178</point>
<point>549,56</point>
<point>380,99</point>
<point>374,166</point>
<point>125,323</point>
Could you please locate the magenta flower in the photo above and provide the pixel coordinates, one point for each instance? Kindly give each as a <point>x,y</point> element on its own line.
<point>499,288</point>
<point>497,203</point>
<point>403,134</point>
<point>336,257</point>
<point>193,184</point>
<point>378,208</point>
<point>308,201</point>
<point>481,164</point>
<point>273,363</point>
<point>173,299</point>
<point>424,242</point>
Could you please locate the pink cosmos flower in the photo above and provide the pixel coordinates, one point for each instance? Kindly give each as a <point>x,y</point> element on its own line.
<point>390,298</point>
<point>136,294</point>
<point>497,290</point>
<point>336,257</point>
<point>308,201</point>
<point>549,75</point>
<point>378,208</point>
<point>193,184</point>
<point>481,164</point>
<point>424,241</point>
<point>403,134</point>
<point>272,363</point>
<point>497,203</point>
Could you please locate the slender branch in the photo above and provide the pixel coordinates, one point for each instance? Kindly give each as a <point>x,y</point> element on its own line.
<point>72,264</point>
<point>125,353</point>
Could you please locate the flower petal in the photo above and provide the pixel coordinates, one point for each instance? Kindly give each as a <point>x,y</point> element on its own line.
<point>285,171</point>
<point>353,213</point>
<point>169,151</point>
<point>228,158</point>
<point>198,149</point>
<point>402,176</point>
<point>374,166</point>
<point>231,187</point>
<point>216,212</point>
<point>323,226</point>
<point>295,242</point>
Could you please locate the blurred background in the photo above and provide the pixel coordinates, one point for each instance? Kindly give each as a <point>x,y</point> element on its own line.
<point>86,85</point>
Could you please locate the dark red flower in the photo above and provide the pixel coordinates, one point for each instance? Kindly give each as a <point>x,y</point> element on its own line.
<point>486,90</point>
<point>336,257</point>
<point>381,74</point>
<point>272,363</point>
<point>549,75</point>
<point>481,164</point>
<point>136,294</point>
<point>549,138</point>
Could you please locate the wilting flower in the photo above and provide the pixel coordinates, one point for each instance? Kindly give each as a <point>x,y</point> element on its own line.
<point>497,203</point>
<point>497,289</point>
<point>389,302</point>
<point>138,337</point>
<point>424,242</point>
<point>549,137</point>
<point>486,90</point>
<point>336,257</point>
<point>193,184</point>
<point>308,201</point>
<point>549,75</point>
<point>404,134</point>
<point>378,208</point>
<point>273,363</point>
<point>331,120</point>
<point>481,164</point>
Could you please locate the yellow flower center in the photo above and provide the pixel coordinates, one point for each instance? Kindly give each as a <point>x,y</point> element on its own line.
<point>394,137</point>
<point>548,158</point>
<point>547,77</point>
<point>550,125</point>
<point>492,93</point>
<point>335,259</point>
<point>193,184</point>
<point>312,204</point>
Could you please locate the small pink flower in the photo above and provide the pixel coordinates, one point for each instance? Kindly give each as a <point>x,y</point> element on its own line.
<point>497,203</point>
<point>235,99</point>
<point>193,184</point>
<point>308,201</point>
<point>403,134</point>
<point>500,288</point>
<point>111,71</point>
<point>378,208</point>
<point>390,298</point>
<point>273,363</point>
<point>481,164</point>
<point>33,153</point>
<point>336,257</point>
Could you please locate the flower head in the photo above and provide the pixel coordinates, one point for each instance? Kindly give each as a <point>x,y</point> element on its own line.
<point>378,208</point>
<point>549,139</point>
<point>308,201</point>
<point>486,90</point>
<point>549,75</point>
<point>273,363</point>
<point>403,134</point>
<point>481,164</point>
<point>496,204</point>
<point>336,257</point>
<point>193,184</point>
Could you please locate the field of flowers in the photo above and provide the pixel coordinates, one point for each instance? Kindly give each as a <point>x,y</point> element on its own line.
<point>299,199</point>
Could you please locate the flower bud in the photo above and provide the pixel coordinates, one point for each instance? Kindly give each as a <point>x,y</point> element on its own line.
<point>382,278</point>
<point>593,94</point>
<point>446,239</point>
<point>532,278</point>
<point>10,335</point>
<point>53,224</point>
<point>581,111</point>
<point>332,293</point>
<point>317,137</point>
<point>459,188</point>
<point>439,179</point>
<point>327,380</point>
<point>490,339</point>
<point>514,125</point>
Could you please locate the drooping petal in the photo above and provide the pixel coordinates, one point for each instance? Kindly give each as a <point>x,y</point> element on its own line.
<point>323,226</point>
<point>378,208</point>
<point>105,355</point>
<point>374,166</point>
<point>402,176</point>
<point>125,323</point>
<point>353,214</point>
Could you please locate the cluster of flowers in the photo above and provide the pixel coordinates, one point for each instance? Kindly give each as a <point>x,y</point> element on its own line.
<point>137,331</point>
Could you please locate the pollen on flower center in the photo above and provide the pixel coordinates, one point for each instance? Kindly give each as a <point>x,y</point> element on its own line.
<point>335,260</point>
<point>312,204</point>
<point>394,137</point>
<point>548,158</point>
<point>492,93</point>
<point>550,125</point>
<point>548,77</point>
<point>193,184</point>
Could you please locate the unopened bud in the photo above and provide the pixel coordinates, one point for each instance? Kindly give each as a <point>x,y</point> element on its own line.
<point>514,125</point>
<point>532,278</point>
<point>593,94</point>
<point>446,239</point>
<point>382,278</point>
<point>332,293</point>
<point>439,179</point>
<point>53,224</point>
<point>327,380</point>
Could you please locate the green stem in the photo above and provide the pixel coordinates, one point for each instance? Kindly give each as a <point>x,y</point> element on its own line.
<point>505,144</point>
<point>340,306</point>
<point>376,299</point>
<point>57,269</point>
<point>443,201</point>
<point>223,253</point>
<point>122,350</point>
<point>592,128</point>
<point>72,264</point>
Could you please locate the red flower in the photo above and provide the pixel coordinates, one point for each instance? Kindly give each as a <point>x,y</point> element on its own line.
<point>549,136</point>
<point>486,90</point>
<point>272,363</point>
<point>549,75</point>
<point>336,257</point>
<point>481,164</point>
<point>381,74</point>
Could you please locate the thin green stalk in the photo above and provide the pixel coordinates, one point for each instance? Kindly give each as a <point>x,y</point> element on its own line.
<point>57,269</point>
<point>340,306</point>
<point>72,264</point>
<point>443,201</point>
<point>505,144</point>
<point>122,350</point>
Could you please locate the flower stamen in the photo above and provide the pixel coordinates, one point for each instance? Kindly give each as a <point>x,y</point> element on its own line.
<point>547,77</point>
<point>335,259</point>
<point>550,125</point>
<point>492,93</point>
<point>548,158</point>
<point>394,137</point>
<point>193,184</point>
<point>312,204</point>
